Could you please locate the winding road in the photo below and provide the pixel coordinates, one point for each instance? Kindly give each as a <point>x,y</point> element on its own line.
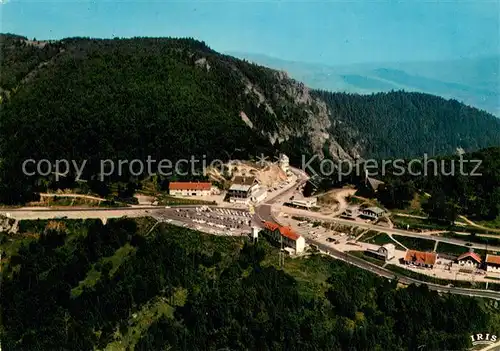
<point>264,213</point>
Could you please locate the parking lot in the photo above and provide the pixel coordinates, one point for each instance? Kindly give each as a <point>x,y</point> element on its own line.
<point>308,230</point>
<point>213,220</point>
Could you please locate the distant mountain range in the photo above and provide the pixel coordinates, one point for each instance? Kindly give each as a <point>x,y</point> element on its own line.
<point>473,81</point>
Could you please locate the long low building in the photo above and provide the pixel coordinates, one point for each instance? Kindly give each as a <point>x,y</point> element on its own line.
<point>190,188</point>
<point>372,212</point>
<point>285,235</point>
<point>419,258</point>
<point>492,263</point>
<point>306,203</point>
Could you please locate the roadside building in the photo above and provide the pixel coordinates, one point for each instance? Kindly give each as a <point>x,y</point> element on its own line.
<point>419,258</point>
<point>259,195</point>
<point>469,259</point>
<point>304,203</point>
<point>386,252</point>
<point>190,188</point>
<point>242,189</point>
<point>372,212</point>
<point>351,212</point>
<point>492,263</point>
<point>285,235</point>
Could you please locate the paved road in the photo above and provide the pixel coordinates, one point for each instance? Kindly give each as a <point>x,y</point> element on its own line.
<point>87,212</point>
<point>359,262</point>
<point>364,225</point>
<point>264,212</point>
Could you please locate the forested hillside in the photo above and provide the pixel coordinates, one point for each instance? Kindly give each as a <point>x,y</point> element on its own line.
<point>452,189</point>
<point>82,286</point>
<point>404,124</point>
<point>124,99</point>
<point>86,99</point>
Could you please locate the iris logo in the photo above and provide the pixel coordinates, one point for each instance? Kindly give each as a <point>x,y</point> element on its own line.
<point>483,339</point>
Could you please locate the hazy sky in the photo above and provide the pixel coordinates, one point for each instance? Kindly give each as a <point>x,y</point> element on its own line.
<point>331,32</point>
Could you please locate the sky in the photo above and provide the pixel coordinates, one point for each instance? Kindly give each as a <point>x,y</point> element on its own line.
<point>327,32</point>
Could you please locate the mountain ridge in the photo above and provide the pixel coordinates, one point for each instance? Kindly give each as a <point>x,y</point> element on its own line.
<point>94,99</point>
<point>455,79</point>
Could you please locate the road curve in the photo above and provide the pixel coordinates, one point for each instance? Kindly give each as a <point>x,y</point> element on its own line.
<point>391,231</point>
<point>264,212</point>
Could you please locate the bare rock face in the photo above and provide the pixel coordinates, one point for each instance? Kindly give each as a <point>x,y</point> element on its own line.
<point>315,125</point>
<point>318,123</point>
<point>203,63</point>
<point>245,119</point>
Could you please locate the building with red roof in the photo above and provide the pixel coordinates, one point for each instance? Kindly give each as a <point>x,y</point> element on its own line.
<point>492,263</point>
<point>470,259</point>
<point>286,235</point>
<point>190,188</point>
<point>419,258</point>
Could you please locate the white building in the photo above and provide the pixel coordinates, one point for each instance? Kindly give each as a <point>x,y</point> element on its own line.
<point>386,252</point>
<point>286,236</point>
<point>351,212</point>
<point>190,188</point>
<point>373,212</point>
<point>259,195</point>
<point>305,203</point>
<point>492,263</point>
<point>284,163</point>
<point>242,189</point>
<point>469,259</point>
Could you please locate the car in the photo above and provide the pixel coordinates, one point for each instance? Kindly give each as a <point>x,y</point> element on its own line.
<point>167,206</point>
<point>468,244</point>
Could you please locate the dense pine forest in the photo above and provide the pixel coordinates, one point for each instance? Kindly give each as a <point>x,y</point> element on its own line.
<point>443,189</point>
<point>92,99</point>
<point>406,124</point>
<point>81,285</point>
